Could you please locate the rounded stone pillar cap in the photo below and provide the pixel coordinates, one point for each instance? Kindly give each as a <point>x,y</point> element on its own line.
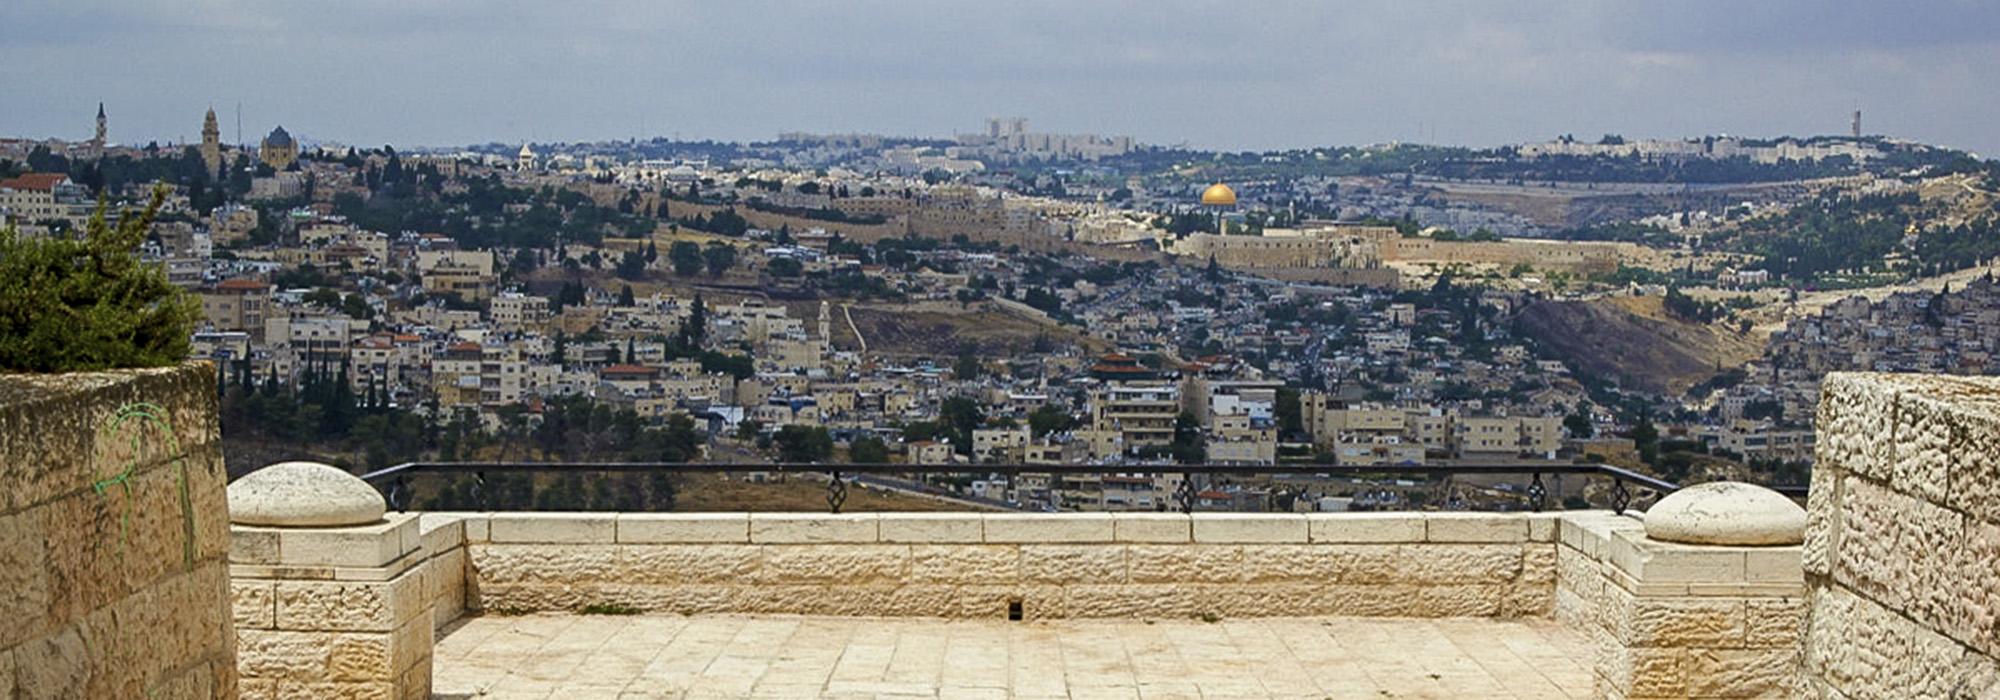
<point>304,494</point>
<point>1727,513</point>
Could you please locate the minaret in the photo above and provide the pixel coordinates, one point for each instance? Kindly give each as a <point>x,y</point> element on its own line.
<point>211,144</point>
<point>825,323</point>
<point>100,140</point>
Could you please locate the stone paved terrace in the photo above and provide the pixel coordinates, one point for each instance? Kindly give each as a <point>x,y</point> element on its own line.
<point>580,657</point>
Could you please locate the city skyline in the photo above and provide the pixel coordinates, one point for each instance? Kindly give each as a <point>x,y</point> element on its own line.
<point>1210,76</point>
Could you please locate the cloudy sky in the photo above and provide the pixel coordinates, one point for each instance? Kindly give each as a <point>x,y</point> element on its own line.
<point>1237,75</point>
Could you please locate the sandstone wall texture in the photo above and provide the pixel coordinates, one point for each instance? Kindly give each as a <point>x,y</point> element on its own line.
<point>994,565</point>
<point>1902,552</point>
<point>1679,621</point>
<point>348,612</point>
<point>113,537</point>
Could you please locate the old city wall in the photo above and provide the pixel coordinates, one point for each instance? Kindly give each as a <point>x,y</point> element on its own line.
<point>1041,566</point>
<point>1902,551</point>
<point>113,537</point>
<point>1583,257</point>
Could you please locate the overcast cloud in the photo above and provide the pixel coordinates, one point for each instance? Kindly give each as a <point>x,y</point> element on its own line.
<point>1239,75</point>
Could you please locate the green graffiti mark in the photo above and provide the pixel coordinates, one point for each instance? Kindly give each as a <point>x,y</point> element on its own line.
<point>147,414</point>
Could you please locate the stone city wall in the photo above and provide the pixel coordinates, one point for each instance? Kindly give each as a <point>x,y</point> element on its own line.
<point>1902,552</point>
<point>995,565</point>
<point>113,534</point>
<point>1678,621</point>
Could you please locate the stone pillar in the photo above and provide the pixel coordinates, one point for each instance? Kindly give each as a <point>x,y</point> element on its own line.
<point>330,593</point>
<point>1704,599</point>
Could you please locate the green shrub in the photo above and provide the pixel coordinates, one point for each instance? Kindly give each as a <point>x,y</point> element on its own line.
<point>70,305</point>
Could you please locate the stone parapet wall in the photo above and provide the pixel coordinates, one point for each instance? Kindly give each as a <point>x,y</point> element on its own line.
<point>1902,553</point>
<point>113,534</point>
<point>994,565</point>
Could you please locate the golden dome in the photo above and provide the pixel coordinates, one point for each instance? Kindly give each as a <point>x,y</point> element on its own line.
<point>1218,195</point>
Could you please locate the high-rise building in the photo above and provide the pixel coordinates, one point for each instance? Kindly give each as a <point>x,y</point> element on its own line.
<point>211,144</point>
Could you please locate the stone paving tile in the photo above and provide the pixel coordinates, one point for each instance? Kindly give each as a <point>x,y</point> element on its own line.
<point>569,657</point>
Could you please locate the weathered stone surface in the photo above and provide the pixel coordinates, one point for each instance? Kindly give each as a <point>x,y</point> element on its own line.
<point>1186,563</point>
<point>1365,528</point>
<point>58,667</point>
<point>543,563</point>
<point>303,494</point>
<point>680,563</point>
<point>932,527</point>
<point>675,528</point>
<point>1741,673</point>
<point>842,564</point>
<point>1822,520</point>
<point>965,564</point>
<point>255,603</point>
<point>1680,622</point>
<point>1475,527</point>
<point>1869,558</point>
<point>1726,513</point>
<point>1772,623</point>
<point>1249,527</point>
<point>355,607</point>
<point>1867,651</point>
<point>802,528</point>
<point>553,528</point>
<point>1054,563</point>
<point>1163,528</point>
<point>24,575</point>
<point>1023,528</point>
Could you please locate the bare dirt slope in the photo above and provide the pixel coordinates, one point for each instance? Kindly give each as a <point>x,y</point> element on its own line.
<point>1633,340</point>
<point>934,330</point>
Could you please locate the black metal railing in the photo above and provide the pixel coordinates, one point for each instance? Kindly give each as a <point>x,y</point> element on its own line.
<point>1626,485</point>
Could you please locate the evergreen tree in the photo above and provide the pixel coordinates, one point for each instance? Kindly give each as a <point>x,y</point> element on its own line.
<point>69,304</point>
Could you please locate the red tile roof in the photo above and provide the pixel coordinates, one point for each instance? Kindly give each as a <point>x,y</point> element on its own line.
<point>242,285</point>
<point>43,182</point>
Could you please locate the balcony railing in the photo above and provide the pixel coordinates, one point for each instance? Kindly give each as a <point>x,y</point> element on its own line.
<point>1626,485</point>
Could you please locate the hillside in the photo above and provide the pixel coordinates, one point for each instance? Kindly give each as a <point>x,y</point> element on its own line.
<point>1632,340</point>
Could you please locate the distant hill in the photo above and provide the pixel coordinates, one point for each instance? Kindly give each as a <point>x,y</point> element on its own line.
<point>1633,340</point>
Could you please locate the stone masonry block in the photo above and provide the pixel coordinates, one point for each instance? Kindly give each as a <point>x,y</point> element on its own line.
<point>965,564</point>
<point>1650,561</point>
<point>364,546</point>
<point>1187,564</point>
<point>1973,470</point>
<point>1475,527</point>
<point>1024,528</point>
<point>253,545</point>
<point>1857,424</point>
<point>25,576</point>
<point>1869,557</point>
<point>441,533</point>
<point>844,564</point>
<point>350,606</point>
<point>1773,622</point>
<point>681,563</point>
<point>810,528</point>
<point>1741,673</point>
<point>255,603</point>
<point>1152,527</point>
<point>1924,435</point>
<point>1054,563</point>
<point>531,528</point>
<point>544,563</point>
<point>1258,528</point>
<point>1359,528</point>
<point>1822,520</point>
<point>1541,527</point>
<point>933,527</point>
<point>675,528</point>
<point>1646,621</point>
<point>1772,565</point>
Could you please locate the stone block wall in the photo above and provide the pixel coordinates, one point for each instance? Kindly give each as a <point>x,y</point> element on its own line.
<point>113,537</point>
<point>345,611</point>
<point>994,565</point>
<point>1902,554</point>
<point>1679,621</point>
